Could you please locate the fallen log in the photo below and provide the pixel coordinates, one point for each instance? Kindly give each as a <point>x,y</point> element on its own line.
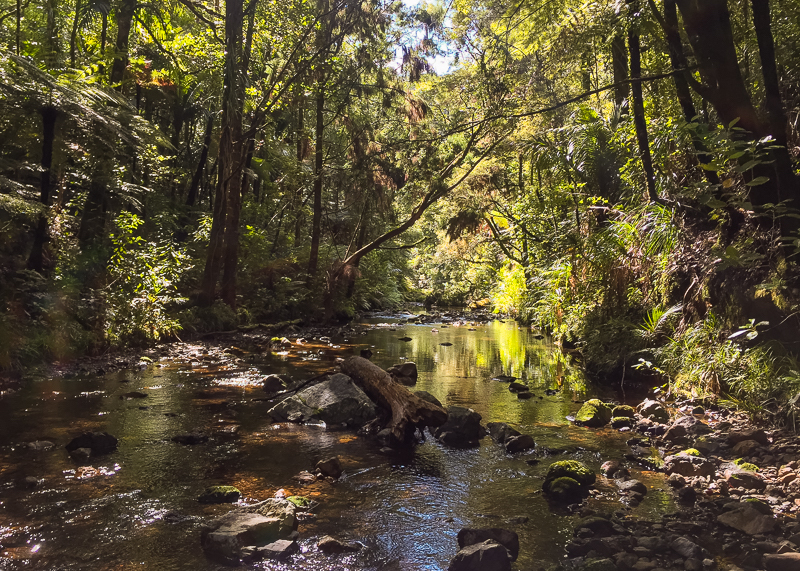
<point>408,411</point>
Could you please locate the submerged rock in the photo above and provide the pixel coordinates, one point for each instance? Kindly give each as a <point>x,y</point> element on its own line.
<point>594,413</point>
<point>334,401</point>
<point>500,431</point>
<point>404,373</point>
<point>98,442</point>
<point>462,430</point>
<point>486,556</point>
<point>330,545</point>
<point>219,495</point>
<point>428,397</point>
<point>190,439</point>
<point>224,538</point>
<point>331,467</point>
<point>519,443</point>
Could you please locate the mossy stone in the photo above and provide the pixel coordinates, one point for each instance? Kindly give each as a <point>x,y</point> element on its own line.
<point>299,501</point>
<point>219,495</point>
<point>623,410</point>
<point>621,422</point>
<point>750,467</point>
<point>563,489</point>
<point>690,452</point>
<point>571,469</point>
<point>594,413</point>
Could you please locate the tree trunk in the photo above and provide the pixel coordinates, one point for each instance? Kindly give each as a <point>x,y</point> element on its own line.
<point>638,107</point>
<point>619,61</point>
<point>316,224</point>
<point>778,124</point>
<point>125,14</point>
<point>678,60</point>
<point>18,31</point>
<point>201,165</point>
<point>408,411</point>
<point>93,220</point>
<point>73,38</point>
<point>49,117</point>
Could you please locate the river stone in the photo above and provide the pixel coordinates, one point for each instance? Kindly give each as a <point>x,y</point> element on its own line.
<point>519,443</point>
<point>98,442</point>
<point>224,538</point>
<point>407,369</point>
<point>463,428</point>
<point>621,422</point>
<point>594,413</point>
<point>745,448</point>
<point>632,486</point>
<point>781,561</point>
<point>676,433</point>
<point>623,410</point>
<point>748,519</point>
<point>190,439</point>
<point>505,537</point>
<point>689,466</point>
<point>571,469</point>
<point>563,489</point>
<point>500,431</point>
<point>599,526</point>
<point>330,545</point>
<point>273,384</point>
<point>39,445</point>
<point>516,387</point>
<point>686,548</point>
<point>486,556</point>
<point>219,495</point>
<point>653,410</point>
<point>428,397</point>
<point>740,478</point>
<point>334,401</point>
<point>610,467</point>
<point>748,434</point>
<point>330,467</point>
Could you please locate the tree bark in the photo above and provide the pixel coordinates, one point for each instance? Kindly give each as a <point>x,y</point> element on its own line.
<point>638,108</point>
<point>201,165</point>
<point>316,223</point>
<point>49,117</point>
<point>619,61</point>
<point>73,38</point>
<point>408,411</point>
<point>125,14</point>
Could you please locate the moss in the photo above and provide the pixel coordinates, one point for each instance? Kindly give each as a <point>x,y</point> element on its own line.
<point>219,495</point>
<point>593,413</point>
<point>299,501</point>
<point>563,489</point>
<point>621,422</point>
<point>571,469</point>
<point>623,410</point>
<point>750,467</point>
<point>690,452</point>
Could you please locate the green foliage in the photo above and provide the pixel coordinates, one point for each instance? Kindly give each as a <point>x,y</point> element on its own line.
<point>750,467</point>
<point>142,290</point>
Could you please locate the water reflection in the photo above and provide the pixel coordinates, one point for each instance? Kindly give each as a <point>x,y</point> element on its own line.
<point>406,508</point>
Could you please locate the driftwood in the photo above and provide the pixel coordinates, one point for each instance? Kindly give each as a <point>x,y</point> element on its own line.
<point>408,411</point>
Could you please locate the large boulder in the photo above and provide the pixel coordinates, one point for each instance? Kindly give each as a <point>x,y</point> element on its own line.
<point>224,538</point>
<point>219,495</point>
<point>500,431</point>
<point>736,436</point>
<point>283,510</point>
<point>463,428</point>
<point>594,413</point>
<point>98,442</point>
<point>505,537</point>
<point>486,556</point>
<point>688,466</point>
<point>781,561</point>
<point>334,401</point>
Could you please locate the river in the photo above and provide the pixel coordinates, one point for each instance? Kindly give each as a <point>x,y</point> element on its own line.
<point>140,510</point>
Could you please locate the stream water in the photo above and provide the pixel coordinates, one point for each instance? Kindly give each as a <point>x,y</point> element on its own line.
<point>140,510</point>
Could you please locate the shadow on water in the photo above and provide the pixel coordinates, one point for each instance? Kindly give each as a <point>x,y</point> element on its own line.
<point>140,510</point>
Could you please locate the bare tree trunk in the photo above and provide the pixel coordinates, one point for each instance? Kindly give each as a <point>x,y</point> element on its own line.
<point>49,117</point>
<point>73,38</point>
<point>638,108</point>
<point>408,411</point>
<point>619,61</point>
<point>18,32</point>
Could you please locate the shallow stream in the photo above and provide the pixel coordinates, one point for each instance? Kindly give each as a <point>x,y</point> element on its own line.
<point>141,511</point>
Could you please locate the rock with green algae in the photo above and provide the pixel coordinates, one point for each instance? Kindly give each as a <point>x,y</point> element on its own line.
<point>571,469</point>
<point>750,467</point>
<point>594,413</point>
<point>219,495</point>
<point>299,501</point>
<point>564,489</point>
<point>623,410</point>
<point>621,422</point>
<point>690,452</point>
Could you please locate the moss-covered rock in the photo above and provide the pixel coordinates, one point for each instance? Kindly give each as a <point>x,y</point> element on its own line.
<point>593,413</point>
<point>299,501</point>
<point>623,410</point>
<point>219,495</point>
<point>571,469</point>
<point>690,452</point>
<point>621,422</point>
<point>563,489</point>
<point>750,467</point>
